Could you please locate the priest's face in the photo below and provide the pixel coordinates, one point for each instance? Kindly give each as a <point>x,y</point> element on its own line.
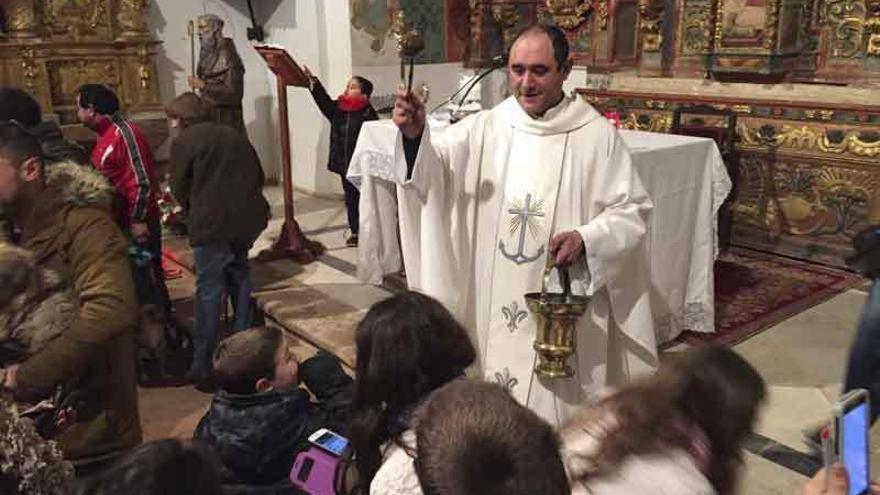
<point>535,77</point>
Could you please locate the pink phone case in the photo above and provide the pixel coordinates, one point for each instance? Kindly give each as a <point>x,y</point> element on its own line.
<point>314,472</point>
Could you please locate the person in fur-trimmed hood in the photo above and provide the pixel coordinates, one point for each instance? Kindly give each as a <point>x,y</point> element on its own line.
<point>62,214</point>
<point>35,305</point>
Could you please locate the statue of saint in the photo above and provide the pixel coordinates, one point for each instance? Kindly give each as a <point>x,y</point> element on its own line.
<point>220,73</point>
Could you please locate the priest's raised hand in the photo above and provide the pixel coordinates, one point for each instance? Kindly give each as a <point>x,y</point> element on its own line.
<point>566,247</point>
<point>409,113</point>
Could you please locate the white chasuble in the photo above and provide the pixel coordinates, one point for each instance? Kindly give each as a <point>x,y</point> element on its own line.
<point>485,197</point>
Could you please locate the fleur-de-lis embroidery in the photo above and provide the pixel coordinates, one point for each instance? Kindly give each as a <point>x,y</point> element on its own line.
<point>504,379</point>
<point>513,316</point>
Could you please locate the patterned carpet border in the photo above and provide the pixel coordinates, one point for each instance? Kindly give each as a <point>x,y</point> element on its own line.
<point>755,290</point>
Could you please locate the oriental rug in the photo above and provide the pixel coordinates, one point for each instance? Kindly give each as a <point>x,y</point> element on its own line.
<point>754,291</point>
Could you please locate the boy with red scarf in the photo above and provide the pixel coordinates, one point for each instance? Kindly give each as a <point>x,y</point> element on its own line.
<point>346,115</point>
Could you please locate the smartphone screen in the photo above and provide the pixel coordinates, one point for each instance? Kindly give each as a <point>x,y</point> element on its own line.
<point>854,447</point>
<point>332,442</point>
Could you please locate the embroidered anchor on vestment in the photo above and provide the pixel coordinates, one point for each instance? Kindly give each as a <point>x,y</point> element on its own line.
<point>524,216</point>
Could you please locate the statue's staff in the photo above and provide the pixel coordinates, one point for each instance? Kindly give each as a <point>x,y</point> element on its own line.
<point>190,31</point>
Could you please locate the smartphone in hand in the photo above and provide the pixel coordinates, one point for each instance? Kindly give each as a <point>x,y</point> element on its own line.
<point>850,426</point>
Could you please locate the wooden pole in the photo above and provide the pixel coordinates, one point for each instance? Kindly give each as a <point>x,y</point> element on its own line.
<point>191,33</point>
<point>291,242</point>
<point>286,172</point>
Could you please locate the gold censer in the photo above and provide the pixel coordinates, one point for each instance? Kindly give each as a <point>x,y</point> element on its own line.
<point>556,316</point>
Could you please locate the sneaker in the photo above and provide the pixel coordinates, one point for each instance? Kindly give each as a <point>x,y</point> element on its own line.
<point>352,241</point>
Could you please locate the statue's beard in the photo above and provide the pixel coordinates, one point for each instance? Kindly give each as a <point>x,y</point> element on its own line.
<point>207,42</point>
<point>208,49</point>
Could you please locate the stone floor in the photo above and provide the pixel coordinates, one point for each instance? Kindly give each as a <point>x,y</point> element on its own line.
<point>801,359</point>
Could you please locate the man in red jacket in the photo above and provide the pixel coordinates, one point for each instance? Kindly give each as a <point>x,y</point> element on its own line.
<point>123,156</point>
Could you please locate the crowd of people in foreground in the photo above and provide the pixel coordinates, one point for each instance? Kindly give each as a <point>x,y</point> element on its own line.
<point>418,425</point>
<point>77,232</point>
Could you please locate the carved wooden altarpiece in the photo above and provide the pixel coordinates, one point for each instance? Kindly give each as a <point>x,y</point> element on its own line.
<point>53,46</point>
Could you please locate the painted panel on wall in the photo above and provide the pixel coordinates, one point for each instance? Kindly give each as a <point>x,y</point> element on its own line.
<point>439,22</point>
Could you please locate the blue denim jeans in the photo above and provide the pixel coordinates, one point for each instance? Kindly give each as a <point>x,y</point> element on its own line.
<point>221,270</point>
<point>863,367</point>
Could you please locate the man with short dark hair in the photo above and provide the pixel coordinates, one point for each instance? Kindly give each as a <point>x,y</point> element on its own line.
<point>123,156</point>
<point>496,200</point>
<point>16,104</point>
<point>63,214</point>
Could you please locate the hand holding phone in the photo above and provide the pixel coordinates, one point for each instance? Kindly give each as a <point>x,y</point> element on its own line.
<point>850,439</point>
<point>828,481</point>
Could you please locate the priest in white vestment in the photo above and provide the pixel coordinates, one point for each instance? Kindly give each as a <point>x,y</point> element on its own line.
<point>491,197</point>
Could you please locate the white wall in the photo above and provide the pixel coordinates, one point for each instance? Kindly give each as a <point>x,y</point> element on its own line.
<point>316,32</point>
<point>383,68</point>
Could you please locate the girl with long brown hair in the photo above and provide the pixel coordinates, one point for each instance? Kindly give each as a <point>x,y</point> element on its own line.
<point>407,347</point>
<point>678,432</point>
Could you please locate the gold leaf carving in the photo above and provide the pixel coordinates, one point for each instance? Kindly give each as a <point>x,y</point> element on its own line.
<point>30,70</point>
<point>568,14</point>
<point>75,18</point>
<point>696,27</point>
<point>751,200</point>
<point>847,21</point>
<point>771,24</point>
<point>810,139</point>
<point>651,12</point>
<point>132,18</point>
<point>822,201</point>
<point>872,27</point>
<point>21,19</point>
<point>655,123</point>
<point>67,75</point>
<point>602,13</point>
<point>507,17</point>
